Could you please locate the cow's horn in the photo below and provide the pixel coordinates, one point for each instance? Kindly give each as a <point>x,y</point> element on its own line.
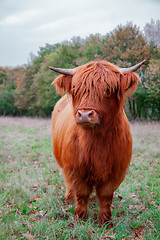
<point>132,69</point>
<point>63,71</point>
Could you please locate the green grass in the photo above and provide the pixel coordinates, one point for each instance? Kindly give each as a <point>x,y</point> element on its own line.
<point>32,204</point>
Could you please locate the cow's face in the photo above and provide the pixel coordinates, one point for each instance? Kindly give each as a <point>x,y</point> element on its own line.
<point>93,99</point>
<point>97,91</point>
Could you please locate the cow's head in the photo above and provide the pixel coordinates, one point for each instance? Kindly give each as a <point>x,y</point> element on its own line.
<point>98,90</point>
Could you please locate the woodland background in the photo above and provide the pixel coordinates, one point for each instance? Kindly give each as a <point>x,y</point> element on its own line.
<point>26,90</point>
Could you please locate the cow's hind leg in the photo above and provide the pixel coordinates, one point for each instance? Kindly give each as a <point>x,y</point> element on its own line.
<point>105,196</point>
<point>70,193</point>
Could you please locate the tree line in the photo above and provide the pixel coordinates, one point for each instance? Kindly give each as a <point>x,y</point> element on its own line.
<point>27,90</point>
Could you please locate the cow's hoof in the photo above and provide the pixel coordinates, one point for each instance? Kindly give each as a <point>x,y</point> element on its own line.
<point>81,213</point>
<point>105,219</point>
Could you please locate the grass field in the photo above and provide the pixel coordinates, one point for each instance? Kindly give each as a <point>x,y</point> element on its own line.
<point>32,204</point>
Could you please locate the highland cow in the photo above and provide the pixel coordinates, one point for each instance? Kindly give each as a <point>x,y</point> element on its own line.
<point>92,142</point>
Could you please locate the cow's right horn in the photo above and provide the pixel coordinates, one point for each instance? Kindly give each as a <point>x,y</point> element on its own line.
<point>63,71</point>
<point>132,69</point>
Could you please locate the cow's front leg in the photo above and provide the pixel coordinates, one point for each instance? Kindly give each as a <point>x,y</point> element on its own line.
<point>105,196</point>
<point>83,191</point>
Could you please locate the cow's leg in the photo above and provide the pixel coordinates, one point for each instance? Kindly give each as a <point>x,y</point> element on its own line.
<point>78,188</point>
<point>105,196</point>
<point>83,191</point>
<point>70,193</point>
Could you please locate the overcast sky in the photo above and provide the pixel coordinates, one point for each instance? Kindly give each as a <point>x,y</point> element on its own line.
<point>25,25</point>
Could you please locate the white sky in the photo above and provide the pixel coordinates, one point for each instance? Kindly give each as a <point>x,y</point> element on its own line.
<point>25,25</point>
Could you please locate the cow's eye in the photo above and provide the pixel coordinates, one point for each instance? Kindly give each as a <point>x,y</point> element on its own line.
<point>107,90</point>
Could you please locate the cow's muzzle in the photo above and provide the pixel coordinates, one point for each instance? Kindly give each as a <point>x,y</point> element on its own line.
<point>87,116</point>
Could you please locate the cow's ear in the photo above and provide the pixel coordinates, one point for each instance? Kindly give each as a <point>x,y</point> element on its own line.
<point>63,84</point>
<point>129,83</point>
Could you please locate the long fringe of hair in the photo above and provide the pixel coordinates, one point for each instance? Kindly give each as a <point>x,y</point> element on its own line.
<point>99,76</point>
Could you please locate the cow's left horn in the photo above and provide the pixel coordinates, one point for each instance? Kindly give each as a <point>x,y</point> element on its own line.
<point>63,71</point>
<point>132,69</point>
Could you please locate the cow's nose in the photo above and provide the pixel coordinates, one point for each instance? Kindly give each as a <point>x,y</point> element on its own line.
<point>84,117</point>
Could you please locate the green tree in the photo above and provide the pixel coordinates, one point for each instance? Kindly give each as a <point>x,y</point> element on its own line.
<point>92,49</point>
<point>152,86</point>
<point>2,76</point>
<point>46,96</point>
<point>7,106</point>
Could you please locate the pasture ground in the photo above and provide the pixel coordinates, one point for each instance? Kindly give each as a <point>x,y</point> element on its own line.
<point>32,204</point>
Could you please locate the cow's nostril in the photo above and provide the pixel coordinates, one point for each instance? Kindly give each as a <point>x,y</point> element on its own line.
<point>79,113</point>
<point>90,114</point>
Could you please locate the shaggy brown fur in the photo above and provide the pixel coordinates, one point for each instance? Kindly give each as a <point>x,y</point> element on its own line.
<point>93,155</point>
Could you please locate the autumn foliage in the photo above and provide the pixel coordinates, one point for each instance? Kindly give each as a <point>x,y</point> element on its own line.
<point>27,90</point>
